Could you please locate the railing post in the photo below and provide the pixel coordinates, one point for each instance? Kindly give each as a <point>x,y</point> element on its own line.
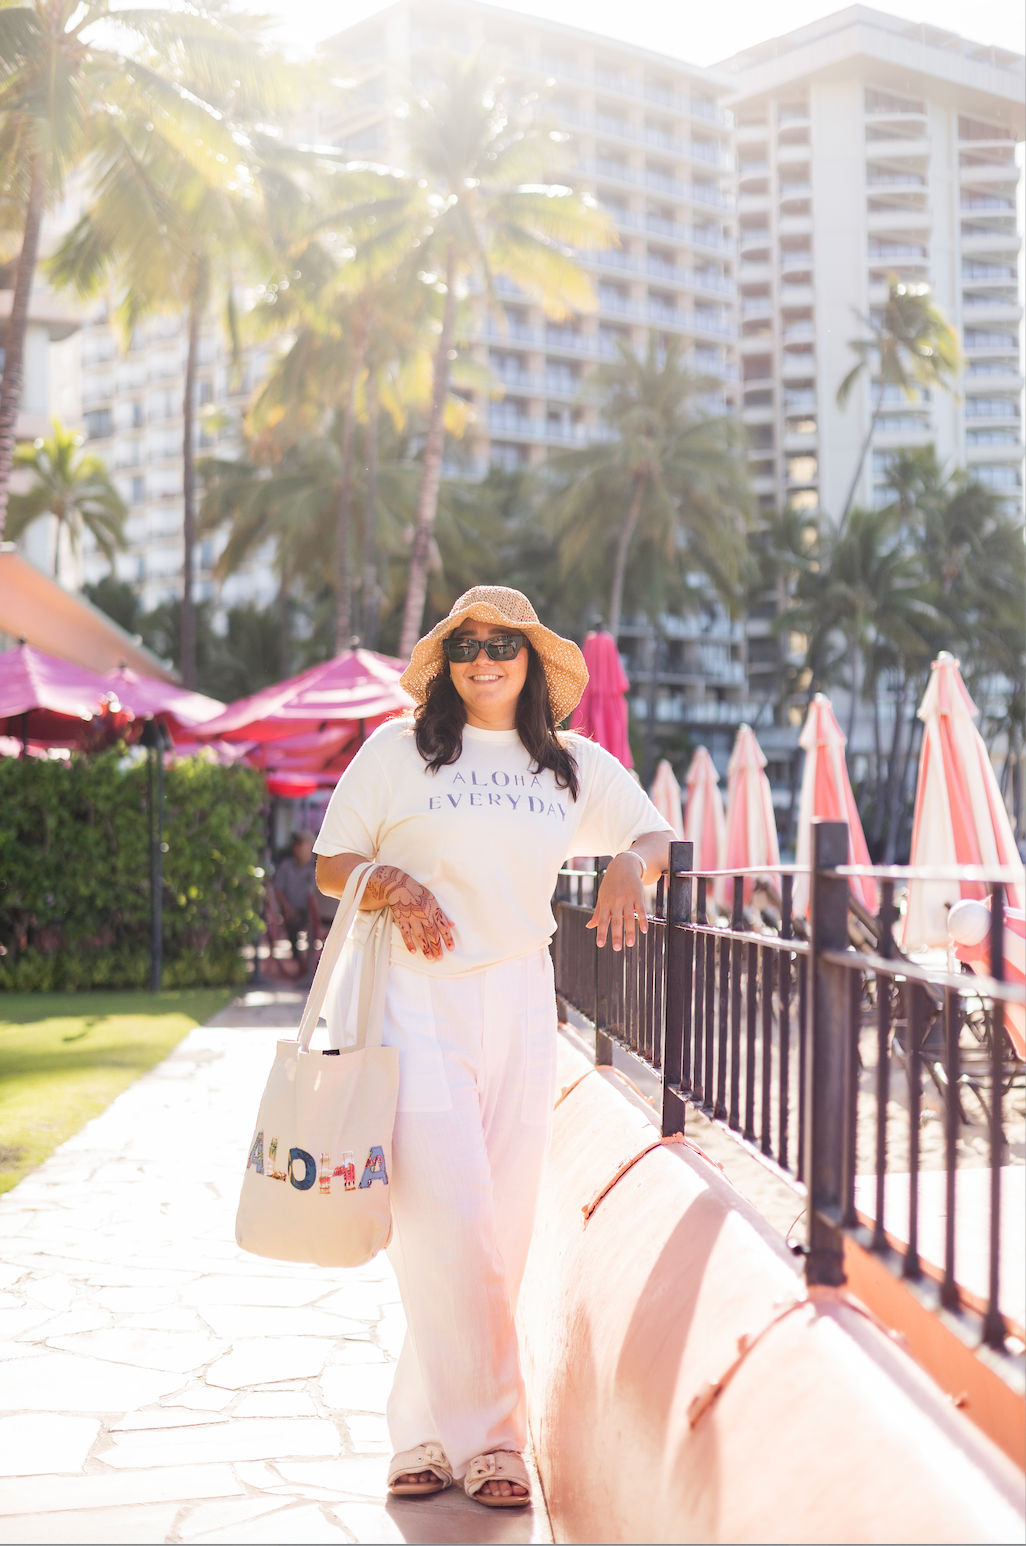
<point>828,1057</point>
<point>603,1043</point>
<point>680,947</point>
<point>994,1321</point>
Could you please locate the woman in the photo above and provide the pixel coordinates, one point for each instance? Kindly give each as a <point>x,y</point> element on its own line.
<point>471,808</point>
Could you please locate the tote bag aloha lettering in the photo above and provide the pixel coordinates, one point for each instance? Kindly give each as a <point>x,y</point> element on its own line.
<point>317,1178</point>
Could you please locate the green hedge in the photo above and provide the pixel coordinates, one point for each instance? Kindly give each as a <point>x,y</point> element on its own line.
<point>74,872</point>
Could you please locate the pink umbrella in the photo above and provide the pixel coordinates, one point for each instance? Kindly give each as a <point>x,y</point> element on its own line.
<point>357,685</point>
<point>602,711</point>
<point>328,752</point>
<point>960,817</point>
<point>703,820</point>
<point>145,696</point>
<point>826,793</point>
<point>665,796</point>
<point>751,824</point>
<point>43,698</point>
<point>969,928</point>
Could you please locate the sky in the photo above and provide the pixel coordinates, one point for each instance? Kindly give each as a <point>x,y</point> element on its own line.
<point>697,34</point>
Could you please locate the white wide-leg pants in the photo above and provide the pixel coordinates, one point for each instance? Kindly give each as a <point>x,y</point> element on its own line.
<point>477,1060</point>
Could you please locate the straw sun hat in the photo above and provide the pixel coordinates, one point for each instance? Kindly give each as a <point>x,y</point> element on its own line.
<point>565,671</point>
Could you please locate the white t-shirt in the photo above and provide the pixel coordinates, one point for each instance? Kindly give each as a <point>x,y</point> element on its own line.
<point>486,835</point>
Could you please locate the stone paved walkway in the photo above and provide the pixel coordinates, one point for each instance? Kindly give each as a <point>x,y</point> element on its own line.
<point>160,1385</point>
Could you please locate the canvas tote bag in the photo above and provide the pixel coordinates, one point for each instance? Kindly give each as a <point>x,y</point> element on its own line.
<point>316,1185</point>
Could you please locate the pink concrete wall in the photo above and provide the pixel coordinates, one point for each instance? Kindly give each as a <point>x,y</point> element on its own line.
<point>828,1432</point>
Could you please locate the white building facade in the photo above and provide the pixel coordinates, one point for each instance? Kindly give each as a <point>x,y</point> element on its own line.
<point>868,146</point>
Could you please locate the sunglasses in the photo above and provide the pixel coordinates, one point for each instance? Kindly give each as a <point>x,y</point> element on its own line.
<point>462,651</point>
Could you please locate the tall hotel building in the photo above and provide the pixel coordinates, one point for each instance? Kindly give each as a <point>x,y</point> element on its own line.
<point>869,146</point>
<point>649,138</point>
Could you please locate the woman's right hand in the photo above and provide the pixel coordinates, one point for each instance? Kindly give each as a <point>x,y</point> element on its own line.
<point>421,921</point>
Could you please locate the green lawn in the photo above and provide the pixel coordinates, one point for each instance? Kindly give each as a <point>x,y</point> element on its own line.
<point>64,1057</point>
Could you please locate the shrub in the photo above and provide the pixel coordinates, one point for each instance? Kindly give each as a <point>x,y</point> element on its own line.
<point>74,872</point>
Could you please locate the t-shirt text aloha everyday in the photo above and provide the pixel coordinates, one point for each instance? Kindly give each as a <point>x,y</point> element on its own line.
<point>488,834</point>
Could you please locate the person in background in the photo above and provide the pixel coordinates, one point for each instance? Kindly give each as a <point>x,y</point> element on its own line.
<point>294,884</point>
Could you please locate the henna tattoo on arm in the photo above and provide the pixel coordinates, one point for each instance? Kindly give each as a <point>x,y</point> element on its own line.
<point>415,909</point>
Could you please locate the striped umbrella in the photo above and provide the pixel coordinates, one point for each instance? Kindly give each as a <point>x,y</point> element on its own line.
<point>703,820</point>
<point>751,824</point>
<point>826,793</point>
<point>960,817</point>
<point>665,796</point>
<point>969,929</point>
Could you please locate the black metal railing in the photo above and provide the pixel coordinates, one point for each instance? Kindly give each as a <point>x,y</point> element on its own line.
<point>787,1033</point>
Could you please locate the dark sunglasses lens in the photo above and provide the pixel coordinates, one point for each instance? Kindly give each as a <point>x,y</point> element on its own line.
<point>503,649</point>
<point>461,650</point>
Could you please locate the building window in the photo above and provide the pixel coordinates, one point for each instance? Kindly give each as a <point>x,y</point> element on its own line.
<point>98,423</point>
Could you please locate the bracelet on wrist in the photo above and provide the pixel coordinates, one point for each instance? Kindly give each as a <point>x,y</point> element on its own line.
<point>630,854</point>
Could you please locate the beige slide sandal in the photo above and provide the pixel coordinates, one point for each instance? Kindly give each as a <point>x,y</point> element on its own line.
<point>503,1465</point>
<point>410,1462</point>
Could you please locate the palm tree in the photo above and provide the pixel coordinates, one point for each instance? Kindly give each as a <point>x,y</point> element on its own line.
<point>355,329</point>
<point>364,325</point>
<point>667,468</point>
<point>911,344</point>
<point>289,504</point>
<point>479,165</point>
<point>170,237</point>
<point>292,502</point>
<point>71,76</point>
<point>72,486</point>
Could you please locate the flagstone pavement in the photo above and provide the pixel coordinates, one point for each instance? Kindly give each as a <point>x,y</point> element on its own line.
<point>160,1385</point>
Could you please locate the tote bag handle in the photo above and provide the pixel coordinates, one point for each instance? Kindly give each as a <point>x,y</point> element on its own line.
<point>373,977</point>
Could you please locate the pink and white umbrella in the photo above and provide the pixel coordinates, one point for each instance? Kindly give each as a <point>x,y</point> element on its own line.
<point>356,685</point>
<point>960,817</point>
<point>704,823</point>
<point>826,793</point>
<point>602,711</point>
<point>665,796</point>
<point>751,824</point>
<point>969,929</point>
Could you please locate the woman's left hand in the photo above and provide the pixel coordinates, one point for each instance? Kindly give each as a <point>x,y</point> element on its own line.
<point>621,902</point>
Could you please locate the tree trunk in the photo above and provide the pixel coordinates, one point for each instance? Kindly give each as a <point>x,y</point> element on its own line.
<point>862,458</point>
<point>427,505</point>
<point>855,689</point>
<point>627,531</point>
<point>893,764</point>
<point>188,631</point>
<point>344,599</point>
<point>284,642</point>
<point>370,532</point>
<point>17,325</point>
<point>876,831</point>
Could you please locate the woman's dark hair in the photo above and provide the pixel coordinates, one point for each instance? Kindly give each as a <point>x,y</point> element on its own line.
<point>441,717</point>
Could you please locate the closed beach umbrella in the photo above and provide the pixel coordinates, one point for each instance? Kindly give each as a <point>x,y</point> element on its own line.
<point>704,824</point>
<point>960,817</point>
<point>751,824</point>
<point>665,796</point>
<point>602,711</point>
<point>826,793</point>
